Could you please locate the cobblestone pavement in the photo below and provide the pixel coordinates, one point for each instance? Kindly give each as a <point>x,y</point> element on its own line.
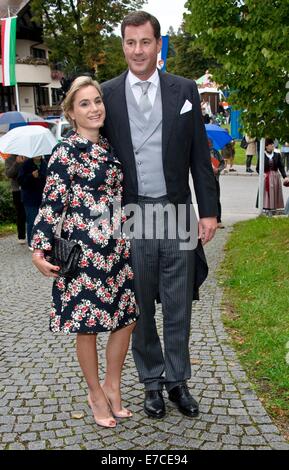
<point>41,384</point>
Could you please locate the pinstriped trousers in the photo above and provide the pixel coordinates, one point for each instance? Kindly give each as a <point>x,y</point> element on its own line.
<point>162,269</point>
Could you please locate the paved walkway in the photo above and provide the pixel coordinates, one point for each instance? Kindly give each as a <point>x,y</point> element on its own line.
<point>41,384</point>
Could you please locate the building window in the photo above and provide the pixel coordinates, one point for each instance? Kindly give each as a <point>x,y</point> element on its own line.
<point>7,101</point>
<point>56,95</point>
<point>42,97</point>
<point>38,53</point>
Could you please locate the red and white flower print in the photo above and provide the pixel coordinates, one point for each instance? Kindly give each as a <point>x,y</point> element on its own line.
<point>86,179</point>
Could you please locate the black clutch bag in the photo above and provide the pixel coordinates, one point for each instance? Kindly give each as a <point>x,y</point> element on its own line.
<point>64,253</point>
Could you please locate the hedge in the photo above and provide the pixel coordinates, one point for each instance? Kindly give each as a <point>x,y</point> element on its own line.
<point>7,210</point>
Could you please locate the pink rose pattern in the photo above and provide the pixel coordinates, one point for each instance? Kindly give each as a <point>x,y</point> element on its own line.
<point>87,178</point>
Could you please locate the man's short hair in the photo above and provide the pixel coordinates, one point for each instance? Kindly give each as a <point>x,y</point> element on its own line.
<point>138,18</point>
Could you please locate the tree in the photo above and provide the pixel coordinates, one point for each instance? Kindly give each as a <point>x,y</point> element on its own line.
<point>112,61</point>
<point>75,30</point>
<point>185,57</point>
<point>249,40</point>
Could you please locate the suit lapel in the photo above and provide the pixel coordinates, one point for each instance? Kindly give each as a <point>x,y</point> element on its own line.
<point>170,91</point>
<point>117,111</point>
<point>119,120</point>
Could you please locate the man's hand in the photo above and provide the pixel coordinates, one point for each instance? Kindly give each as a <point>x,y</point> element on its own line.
<point>35,173</point>
<point>207,229</point>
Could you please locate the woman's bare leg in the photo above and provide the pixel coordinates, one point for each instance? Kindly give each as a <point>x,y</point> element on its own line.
<point>116,351</point>
<point>88,360</point>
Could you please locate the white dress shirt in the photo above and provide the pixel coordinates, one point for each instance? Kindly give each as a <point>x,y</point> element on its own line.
<point>136,89</point>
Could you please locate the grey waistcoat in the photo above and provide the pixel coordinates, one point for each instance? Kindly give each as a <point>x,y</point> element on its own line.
<point>146,138</point>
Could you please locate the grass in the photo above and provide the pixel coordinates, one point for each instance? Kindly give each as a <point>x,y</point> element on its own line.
<point>7,228</point>
<point>240,155</point>
<point>256,281</point>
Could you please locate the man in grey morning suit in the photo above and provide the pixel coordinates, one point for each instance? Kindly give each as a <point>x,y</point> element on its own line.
<point>154,123</point>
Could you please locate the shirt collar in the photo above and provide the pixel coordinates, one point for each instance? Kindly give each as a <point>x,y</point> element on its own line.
<point>154,78</point>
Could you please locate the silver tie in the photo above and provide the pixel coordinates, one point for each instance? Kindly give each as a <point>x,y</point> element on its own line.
<point>144,103</point>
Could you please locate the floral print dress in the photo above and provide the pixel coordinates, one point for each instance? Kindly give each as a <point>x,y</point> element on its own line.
<point>87,179</point>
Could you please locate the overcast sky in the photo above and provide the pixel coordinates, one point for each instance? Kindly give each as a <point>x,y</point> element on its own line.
<point>168,12</point>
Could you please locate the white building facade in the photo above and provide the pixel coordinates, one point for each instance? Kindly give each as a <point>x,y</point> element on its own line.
<point>38,85</point>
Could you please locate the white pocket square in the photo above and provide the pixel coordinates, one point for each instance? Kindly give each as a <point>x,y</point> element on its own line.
<point>187,107</point>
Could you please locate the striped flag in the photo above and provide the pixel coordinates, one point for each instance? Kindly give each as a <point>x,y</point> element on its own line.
<point>8,48</point>
<point>162,56</point>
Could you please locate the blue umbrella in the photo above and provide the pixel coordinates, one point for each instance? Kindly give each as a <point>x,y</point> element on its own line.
<point>218,135</point>
<point>11,117</point>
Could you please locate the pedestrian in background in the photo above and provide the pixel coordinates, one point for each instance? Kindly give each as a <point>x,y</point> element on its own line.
<point>218,164</point>
<point>31,177</point>
<point>206,110</point>
<point>251,151</point>
<point>12,167</point>
<point>273,195</point>
<point>228,154</point>
<point>285,155</point>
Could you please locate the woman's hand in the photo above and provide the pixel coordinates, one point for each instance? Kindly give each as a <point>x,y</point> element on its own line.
<point>46,268</point>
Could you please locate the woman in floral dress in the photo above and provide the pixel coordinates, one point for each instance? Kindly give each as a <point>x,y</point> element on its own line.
<point>85,177</point>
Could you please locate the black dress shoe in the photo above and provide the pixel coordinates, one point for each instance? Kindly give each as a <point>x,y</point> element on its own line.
<point>154,405</point>
<point>186,404</point>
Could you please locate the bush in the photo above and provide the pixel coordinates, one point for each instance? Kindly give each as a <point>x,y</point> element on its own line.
<point>7,210</point>
<point>3,177</point>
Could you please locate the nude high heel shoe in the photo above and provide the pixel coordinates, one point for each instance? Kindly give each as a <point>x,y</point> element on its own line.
<point>123,413</point>
<point>104,422</point>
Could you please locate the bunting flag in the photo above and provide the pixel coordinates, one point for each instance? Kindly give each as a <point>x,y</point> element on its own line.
<point>162,56</point>
<point>8,48</point>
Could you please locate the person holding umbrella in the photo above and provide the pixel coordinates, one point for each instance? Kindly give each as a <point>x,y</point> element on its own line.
<point>31,142</point>
<point>218,164</point>
<point>13,164</point>
<point>31,177</point>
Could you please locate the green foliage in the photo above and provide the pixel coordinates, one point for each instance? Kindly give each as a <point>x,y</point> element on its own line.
<point>185,58</point>
<point>75,31</point>
<point>7,228</point>
<point>3,176</point>
<point>113,62</point>
<point>240,155</point>
<point>255,275</point>
<point>7,210</point>
<point>249,40</point>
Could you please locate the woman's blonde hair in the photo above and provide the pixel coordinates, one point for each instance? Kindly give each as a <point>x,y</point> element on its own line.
<point>77,84</point>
